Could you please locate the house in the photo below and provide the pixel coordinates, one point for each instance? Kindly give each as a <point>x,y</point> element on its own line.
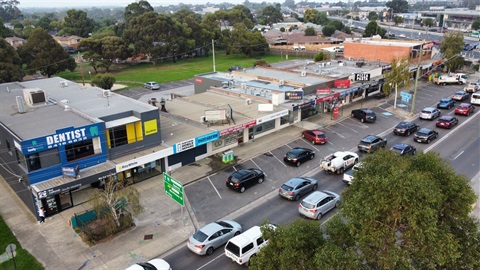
<point>70,41</point>
<point>15,42</point>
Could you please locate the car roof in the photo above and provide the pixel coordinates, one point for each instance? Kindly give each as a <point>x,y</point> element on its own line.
<point>370,138</point>
<point>316,131</point>
<point>445,99</point>
<point>446,117</point>
<point>429,109</point>
<point>295,181</point>
<point>424,130</point>
<point>211,228</point>
<point>315,197</point>
<point>464,105</point>
<point>400,146</point>
<point>459,93</point>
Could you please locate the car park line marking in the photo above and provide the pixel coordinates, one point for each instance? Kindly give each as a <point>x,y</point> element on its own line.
<point>283,163</point>
<point>340,135</point>
<point>451,132</point>
<point>234,168</point>
<point>288,146</point>
<point>457,155</point>
<point>214,187</point>
<point>349,128</point>
<point>212,260</point>
<point>256,165</point>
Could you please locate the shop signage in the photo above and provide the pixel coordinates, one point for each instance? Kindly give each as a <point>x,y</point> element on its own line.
<point>120,167</point>
<point>293,95</point>
<point>272,116</point>
<point>304,105</point>
<point>323,90</point>
<point>362,77</point>
<point>183,146</point>
<point>341,83</point>
<point>215,115</point>
<point>173,188</point>
<point>62,137</point>
<point>428,46</point>
<point>210,137</point>
<point>238,127</point>
<point>386,67</point>
<point>327,98</point>
<point>198,80</point>
<point>150,127</point>
<point>71,171</point>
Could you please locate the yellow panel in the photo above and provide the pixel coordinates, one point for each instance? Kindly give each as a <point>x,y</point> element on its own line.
<point>138,130</point>
<point>131,133</point>
<point>150,127</point>
<point>108,138</point>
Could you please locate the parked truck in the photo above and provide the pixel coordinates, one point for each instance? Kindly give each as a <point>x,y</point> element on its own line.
<point>452,79</point>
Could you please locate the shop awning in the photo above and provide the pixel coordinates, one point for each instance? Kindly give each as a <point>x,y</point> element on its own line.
<point>121,122</point>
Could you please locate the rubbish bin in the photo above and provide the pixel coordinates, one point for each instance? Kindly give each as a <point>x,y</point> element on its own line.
<point>228,156</point>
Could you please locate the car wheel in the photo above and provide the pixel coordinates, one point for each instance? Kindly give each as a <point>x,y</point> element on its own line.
<point>337,204</point>
<point>319,216</point>
<point>428,141</point>
<point>303,135</point>
<point>312,156</point>
<point>298,163</point>
<point>260,180</point>
<point>249,263</point>
<point>242,189</point>
<point>362,120</point>
<point>314,187</point>
<point>352,115</point>
<point>340,171</point>
<point>209,251</point>
<point>297,197</point>
<point>313,142</point>
<point>356,161</point>
<point>414,152</point>
<point>237,233</point>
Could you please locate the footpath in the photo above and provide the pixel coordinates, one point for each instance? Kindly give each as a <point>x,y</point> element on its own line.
<point>160,228</point>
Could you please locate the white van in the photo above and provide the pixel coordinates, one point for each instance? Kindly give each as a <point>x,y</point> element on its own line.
<point>475,99</point>
<point>245,245</point>
<point>296,48</point>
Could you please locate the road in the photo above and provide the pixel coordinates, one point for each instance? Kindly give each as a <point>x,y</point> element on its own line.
<point>209,199</point>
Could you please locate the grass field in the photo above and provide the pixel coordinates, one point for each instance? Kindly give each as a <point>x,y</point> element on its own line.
<point>136,75</point>
<point>23,259</point>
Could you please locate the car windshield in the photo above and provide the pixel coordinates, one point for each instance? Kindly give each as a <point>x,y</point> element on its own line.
<point>370,113</point>
<point>307,205</point>
<point>426,111</point>
<point>320,135</point>
<point>234,179</point>
<point>444,100</point>
<point>287,187</point>
<point>293,154</point>
<point>233,248</point>
<point>397,150</point>
<point>402,125</point>
<point>200,236</point>
<point>422,132</point>
<point>443,120</point>
<point>224,224</point>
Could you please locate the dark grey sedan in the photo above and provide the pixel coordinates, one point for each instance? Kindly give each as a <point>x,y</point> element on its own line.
<point>297,187</point>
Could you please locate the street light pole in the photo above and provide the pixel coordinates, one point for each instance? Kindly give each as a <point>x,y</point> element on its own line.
<point>416,79</point>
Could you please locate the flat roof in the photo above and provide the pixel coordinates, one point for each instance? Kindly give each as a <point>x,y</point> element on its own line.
<point>389,42</point>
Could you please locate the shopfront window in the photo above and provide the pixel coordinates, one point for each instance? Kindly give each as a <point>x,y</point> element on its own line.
<point>121,135</point>
<point>79,150</point>
<point>258,129</point>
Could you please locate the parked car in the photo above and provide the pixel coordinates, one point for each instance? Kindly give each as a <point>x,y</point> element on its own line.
<point>298,155</point>
<point>296,187</point>
<point>475,99</point>
<point>339,162</point>
<point>212,236</point>
<point>314,136</point>
<point>233,68</point>
<point>425,135</point>
<point>446,121</point>
<point>446,103</point>
<point>460,96</point>
<point>318,204</point>
<point>371,143</point>
<point>402,35</point>
<point>152,85</point>
<point>429,113</point>
<point>471,87</point>
<point>403,149</point>
<point>244,178</point>
<point>405,128</point>
<point>465,109</point>
<point>155,264</point>
<point>348,175</point>
<point>365,115</point>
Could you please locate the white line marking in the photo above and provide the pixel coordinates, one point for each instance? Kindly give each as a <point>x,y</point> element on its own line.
<point>332,143</point>
<point>278,159</point>
<point>255,164</point>
<point>457,155</point>
<point>348,127</point>
<point>288,146</point>
<point>214,187</point>
<point>223,254</point>
<point>334,132</point>
<point>234,168</point>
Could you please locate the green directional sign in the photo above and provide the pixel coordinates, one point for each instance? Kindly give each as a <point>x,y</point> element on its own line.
<point>173,188</point>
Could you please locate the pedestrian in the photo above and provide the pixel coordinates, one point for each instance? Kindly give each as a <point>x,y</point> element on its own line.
<point>41,214</point>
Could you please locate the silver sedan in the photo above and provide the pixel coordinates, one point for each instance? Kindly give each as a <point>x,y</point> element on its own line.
<point>297,187</point>
<point>212,236</point>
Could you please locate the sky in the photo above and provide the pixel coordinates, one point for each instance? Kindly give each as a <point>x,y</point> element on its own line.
<point>122,3</point>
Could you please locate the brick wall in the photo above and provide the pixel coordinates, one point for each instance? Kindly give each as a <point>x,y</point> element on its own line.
<point>386,53</point>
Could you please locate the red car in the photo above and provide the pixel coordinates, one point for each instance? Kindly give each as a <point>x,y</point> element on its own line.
<point>447,121</point>
<point>315,136</point>
<point>465,109</point>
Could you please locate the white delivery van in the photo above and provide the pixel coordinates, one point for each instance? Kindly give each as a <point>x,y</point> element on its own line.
<point>246,245</point>
<point>475,99</point>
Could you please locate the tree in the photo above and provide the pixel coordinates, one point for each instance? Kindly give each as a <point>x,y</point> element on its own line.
<point>310,31</point>
<point>347,30</point>
<point>77,23</point>
<point>9,10</point>
<point>4,31</point>
<point>112,48</point>
<point>320,57</point>
<point>374,29</point>
<point>470,4</point>
<point>412,213</point>
<point>398,6</point>
<point>372,16</point>
<point>337,24</point>
<point>451,47</point>
<point>104,81</point>
<point>428,22</point>
<point>114,201</point>
<point>398,20</point>
<point>321,18</point>
<point>271,15</point>
<point>42,53</point>
<point>10,63</point>
<point>45,21</point>
<point>399,76</point>
<point>136,9</point>
<point>247,42</point>
<point>328,30</point>
<point>476,24</point>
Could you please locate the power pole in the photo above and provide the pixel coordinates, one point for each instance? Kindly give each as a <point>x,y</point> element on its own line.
<point>213,49</point>
<point>416,79</point>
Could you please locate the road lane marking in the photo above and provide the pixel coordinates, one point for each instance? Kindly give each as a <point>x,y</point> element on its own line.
<point>457,155</point>
<point>214,187</point>
<point>277,159</point>
<point>212,260</point>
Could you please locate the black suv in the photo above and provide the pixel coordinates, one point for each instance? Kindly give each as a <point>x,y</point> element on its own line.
<point>365,115</point>
<point>371,143</point>
<point>244,178</point>
<point>425,135</point>
<point>298,155</point>
<point>405,128</point>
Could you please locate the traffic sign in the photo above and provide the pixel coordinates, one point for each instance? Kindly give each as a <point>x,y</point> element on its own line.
<point>173,188</point>
<point>405,95</point>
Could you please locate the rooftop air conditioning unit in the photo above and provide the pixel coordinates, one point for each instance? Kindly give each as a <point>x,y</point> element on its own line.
<point>341,64</point>
<point>34,96</point>
<point>321,64</point>
<point>329,63</point>
<point>203,119</point>
<point>248,101</point>
<point>106,93</point>
<point>63,84</point>
<point>21,105</point>
<point>303,74</point>
<point>282,82</point>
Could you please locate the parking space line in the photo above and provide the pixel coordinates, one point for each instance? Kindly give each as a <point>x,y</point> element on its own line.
<point>288,146</point>
<point>214,187</point>
<point>349,127</point>
<point>277,159</point>
<point>457,155</point>
<point>234,168</point>
<point>256,164</point>
<point>340,135</point>
<point>212,260</point>
<point>332,143</point>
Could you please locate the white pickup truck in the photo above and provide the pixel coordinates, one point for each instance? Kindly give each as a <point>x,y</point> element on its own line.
<point>445,79</point>
<point>471,87</point>
<point>338,162</point>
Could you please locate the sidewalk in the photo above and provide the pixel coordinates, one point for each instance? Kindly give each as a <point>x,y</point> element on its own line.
<point>57,246</point>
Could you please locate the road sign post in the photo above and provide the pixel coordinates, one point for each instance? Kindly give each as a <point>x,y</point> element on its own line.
<point>173,188</point>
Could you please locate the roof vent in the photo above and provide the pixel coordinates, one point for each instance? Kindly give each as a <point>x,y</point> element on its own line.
<point>21,105</point>
<point>63,84</point>
<point>106,93</point>
<point>34,96</point>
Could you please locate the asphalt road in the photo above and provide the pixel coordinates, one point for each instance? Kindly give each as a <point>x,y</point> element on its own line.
<point>210,199</point>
